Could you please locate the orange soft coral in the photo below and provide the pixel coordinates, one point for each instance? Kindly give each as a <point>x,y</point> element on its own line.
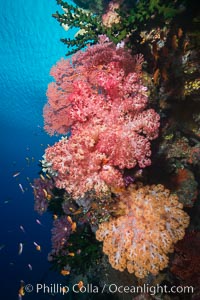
<point>141,239</point>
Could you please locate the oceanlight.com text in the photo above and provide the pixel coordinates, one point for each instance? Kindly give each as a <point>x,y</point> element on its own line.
<point>149,289</point>
<point>112,288</point>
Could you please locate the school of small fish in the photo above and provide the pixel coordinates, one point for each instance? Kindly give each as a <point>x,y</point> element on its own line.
<point>17,175</point>
<point>22,245</point>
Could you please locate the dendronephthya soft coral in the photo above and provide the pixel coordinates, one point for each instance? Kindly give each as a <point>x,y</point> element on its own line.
<point>101,99</point>
<point>152,223</point>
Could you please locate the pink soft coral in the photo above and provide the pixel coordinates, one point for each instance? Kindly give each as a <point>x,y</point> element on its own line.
<point>79,166</point>
<point>96,154</point>
<point>94,80</point>
<point>101,99</point>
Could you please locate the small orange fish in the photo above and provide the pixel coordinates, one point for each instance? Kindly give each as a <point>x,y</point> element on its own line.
<point>69,219</point>
<point>80,284</point>
<point>72,223</point>
<point>38,247</point>
<point>42,177</point>
<point>64,290</point>
<point>21,291</point>
<point>74,226</point>
<point>47,196</point>
<point>45,193</point>
<point>65,272</point>
<point>71,254</point>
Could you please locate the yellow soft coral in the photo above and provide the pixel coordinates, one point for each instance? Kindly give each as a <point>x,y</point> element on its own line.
<point>141,239</point>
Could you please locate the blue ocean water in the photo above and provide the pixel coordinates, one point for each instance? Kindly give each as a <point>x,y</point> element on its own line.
<point>30,45</point>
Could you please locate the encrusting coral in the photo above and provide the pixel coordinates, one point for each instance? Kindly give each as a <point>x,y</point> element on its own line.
<point>140,239</point>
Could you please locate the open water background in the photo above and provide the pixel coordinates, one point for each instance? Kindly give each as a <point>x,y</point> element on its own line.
<point>30,45</point>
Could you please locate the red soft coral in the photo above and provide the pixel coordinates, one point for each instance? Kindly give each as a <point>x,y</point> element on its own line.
<point>101,99</point>
<point>96,153</point>
<point>95,79</point>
